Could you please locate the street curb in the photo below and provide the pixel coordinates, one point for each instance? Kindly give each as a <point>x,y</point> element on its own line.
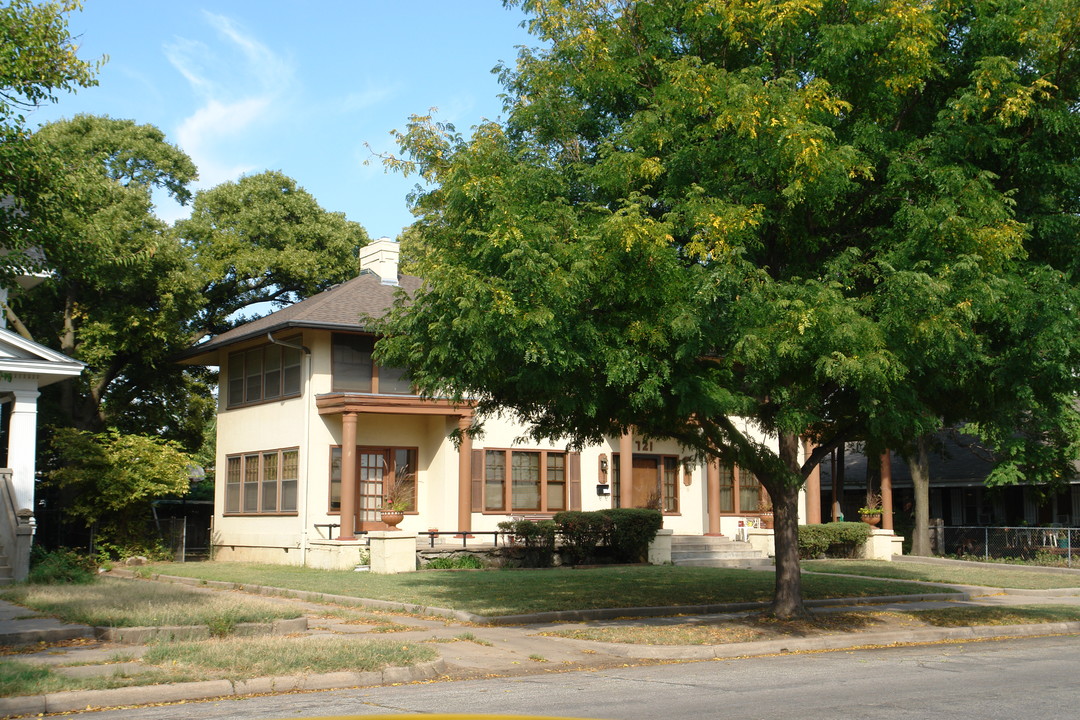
<point>827,642</point>
<point>47,636</point>
<point>77,700</point>
<point>143,635</point>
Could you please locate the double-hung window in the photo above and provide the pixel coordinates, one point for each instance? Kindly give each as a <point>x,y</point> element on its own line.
<point>525,481</point>
<point>355,371</point>
<point>262,374</point>
<point>262,483</point>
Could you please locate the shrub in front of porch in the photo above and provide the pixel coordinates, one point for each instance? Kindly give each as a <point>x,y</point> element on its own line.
<point>833,540</point>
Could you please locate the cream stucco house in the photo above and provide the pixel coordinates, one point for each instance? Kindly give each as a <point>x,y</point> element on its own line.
<point>312,434</point>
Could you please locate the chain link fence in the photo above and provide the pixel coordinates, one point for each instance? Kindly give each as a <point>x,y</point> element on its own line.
<point>1051,546</point>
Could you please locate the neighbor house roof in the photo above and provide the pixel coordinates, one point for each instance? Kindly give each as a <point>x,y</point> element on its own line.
<point>342,307</point>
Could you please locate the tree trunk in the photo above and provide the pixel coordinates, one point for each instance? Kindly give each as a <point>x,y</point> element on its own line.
<point>919,462</point>
<point>784,492</point>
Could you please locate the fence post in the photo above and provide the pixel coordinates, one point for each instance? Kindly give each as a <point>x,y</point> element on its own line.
<point>986,544</point>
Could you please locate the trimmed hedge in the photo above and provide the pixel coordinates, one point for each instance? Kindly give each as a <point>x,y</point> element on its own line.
<point>582,533</point>
<point>618,535</point>
<point>835,539</point>
<point>632,531</point>
<point>538,539</point>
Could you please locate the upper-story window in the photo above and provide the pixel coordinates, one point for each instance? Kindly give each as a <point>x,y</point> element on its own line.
<point>264,373</point>
<point>354,370</point>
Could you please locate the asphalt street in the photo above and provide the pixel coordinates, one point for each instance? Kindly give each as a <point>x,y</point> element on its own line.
<point>1006,679</point>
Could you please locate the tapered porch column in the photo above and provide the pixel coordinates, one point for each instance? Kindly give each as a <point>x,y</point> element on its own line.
<point>465,476</point>
<point>712,484</point>
<point>813,489</point>
<point>22,443</point>
<point>626,469</point>
<point>886,491</point>
<point>348,477</point>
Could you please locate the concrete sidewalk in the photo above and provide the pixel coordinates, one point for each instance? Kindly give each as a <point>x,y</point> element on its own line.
<point>470,650</point>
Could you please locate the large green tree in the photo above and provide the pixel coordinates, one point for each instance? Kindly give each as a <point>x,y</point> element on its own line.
<point>127,293</point>
<point>38,61</point>
<point>265,239</point>
<point>121,291</point>
<point>722,221</point>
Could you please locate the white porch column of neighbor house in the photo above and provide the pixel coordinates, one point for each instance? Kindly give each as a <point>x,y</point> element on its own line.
<point>22,444</point>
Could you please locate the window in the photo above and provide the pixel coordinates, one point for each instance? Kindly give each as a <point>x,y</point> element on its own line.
<point>536,481</point>
<point>669,488</point>
<point>355,371</point>
<point>377,471</point>
<point>741,485</point>
<point>262,483</point>
<point>264,373</point>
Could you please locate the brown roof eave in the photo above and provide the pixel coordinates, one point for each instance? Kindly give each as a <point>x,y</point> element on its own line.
<point>207,353</point>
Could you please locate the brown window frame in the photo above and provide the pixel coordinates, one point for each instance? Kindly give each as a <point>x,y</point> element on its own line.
<point>736,489</point>
<point>668,469</point>
<point>334,474</point>
<point>376,369</point>
<point>546,471</point>
<point>278,354</point>
<point>245,478</point>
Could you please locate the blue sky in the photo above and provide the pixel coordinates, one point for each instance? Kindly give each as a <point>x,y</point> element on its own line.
<point>245,86</point>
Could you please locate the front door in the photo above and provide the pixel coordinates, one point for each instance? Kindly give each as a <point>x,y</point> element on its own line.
<point>370,473</point>
<point>646,482</point>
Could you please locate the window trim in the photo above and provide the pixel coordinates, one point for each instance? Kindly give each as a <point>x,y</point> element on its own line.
<point>375,370</point>
<point>543,481</point>
<point>390,450</point>
<point>259,482</point>
<point>239,359</point>
<point>662,460</point>
<point>736,493</point>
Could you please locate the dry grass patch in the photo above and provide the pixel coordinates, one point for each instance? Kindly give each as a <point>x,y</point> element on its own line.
<point>222,658</point>
<point>989,575</point>
<point>378,623</point>
<point>241,658</point>
<point>757,627</point>
<point>113,602</point>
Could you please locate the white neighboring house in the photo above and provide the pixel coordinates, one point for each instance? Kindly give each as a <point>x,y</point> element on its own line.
<point>25,367</point>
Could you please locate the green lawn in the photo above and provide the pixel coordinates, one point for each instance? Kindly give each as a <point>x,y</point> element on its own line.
<point>511,592</point>
<point>991,576</point>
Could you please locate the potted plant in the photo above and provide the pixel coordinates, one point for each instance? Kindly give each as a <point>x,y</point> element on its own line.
<point>766,510</point>
<point>871,513</point>
<point>396,501</point>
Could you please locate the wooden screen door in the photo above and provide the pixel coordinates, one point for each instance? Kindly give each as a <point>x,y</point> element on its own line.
<point>371,471</point>
<point>646,481</point>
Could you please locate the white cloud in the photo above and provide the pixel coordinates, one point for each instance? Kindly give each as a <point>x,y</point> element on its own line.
<point>242,86</point>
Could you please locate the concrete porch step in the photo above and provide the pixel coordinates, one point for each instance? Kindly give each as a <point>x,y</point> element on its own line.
<point>704,551</point>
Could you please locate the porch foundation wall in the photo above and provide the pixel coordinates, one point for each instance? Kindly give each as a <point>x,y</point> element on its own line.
<point>882,545</point>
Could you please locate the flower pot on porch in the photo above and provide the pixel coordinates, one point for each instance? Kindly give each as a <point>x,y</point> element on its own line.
<point>392,518</point>
<point>872,520</point>
<point>767,521</point>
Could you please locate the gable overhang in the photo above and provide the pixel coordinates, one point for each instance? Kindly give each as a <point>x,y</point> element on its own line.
<point>27,361</point>
<point>209,353</point>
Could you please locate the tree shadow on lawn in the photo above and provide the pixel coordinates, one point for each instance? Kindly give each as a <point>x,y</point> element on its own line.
<point>511,592</point>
